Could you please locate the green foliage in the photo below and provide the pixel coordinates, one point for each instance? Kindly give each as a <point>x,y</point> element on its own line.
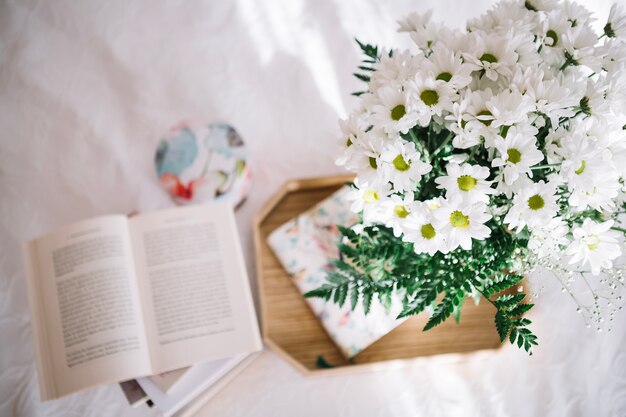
<point>374,263</point>
<point>371,57</point>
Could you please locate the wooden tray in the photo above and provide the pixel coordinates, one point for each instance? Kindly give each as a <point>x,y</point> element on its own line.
<point>291,329</point>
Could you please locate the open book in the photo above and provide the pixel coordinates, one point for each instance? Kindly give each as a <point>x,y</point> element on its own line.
<point>114,298</point>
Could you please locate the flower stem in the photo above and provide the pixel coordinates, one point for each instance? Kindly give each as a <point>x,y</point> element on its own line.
<point>619,229</point>
<point>545,166</point>
<point>443,144</point>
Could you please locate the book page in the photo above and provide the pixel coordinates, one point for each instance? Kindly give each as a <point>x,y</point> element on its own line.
<point>88,325</point>
<point>194,287</point>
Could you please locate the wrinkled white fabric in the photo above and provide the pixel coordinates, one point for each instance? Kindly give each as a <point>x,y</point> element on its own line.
<point>86,90</point>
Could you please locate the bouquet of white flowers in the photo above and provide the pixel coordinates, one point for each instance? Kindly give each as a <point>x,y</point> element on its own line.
<point>483,155</point>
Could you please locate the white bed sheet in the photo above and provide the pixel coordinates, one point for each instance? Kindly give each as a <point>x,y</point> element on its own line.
<point>86,90</point>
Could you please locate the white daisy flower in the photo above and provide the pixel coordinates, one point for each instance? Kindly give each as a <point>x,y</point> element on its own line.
<point>467,181</point>
<point>504,16</point>
<point>601,196</point>
<point>424,32</point>
<point>616,24</point>
<point>430,97</point>
<point>548,240</point>
<point>363,155</point>
<point>447,66</point>
<point>520,183</point>
<point>367,198</point>
<point>393,112</point>
<point>420,229</point>
<point>594,244</point>
<point>396,209</point>
<point>460,222</point>
<point>582,160</point>
<point>551,98</point>
<point>551,35</point>
<point>533,206</point>
<point>402,165</point>
<point>590,172</point>
<point>578,48</point>
<point>492,53</point>
<point>393,70</point>
<point>477,111</point>
<point>518,153</point>
<point>467,132</point>
<point>509,107</point>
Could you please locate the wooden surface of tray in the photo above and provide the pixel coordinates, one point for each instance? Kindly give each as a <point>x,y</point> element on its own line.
<point>291,329</point>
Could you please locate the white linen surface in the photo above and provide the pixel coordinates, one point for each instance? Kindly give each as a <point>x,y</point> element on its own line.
<point>86,90</point>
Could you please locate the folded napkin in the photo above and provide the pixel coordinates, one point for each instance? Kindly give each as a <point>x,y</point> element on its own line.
<point>304,246</point>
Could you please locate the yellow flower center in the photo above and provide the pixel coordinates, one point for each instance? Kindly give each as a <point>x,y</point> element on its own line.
<point>466,182</point>
<point>459,220</point>
<point>398,112</point>
<point>400,164</point>
<point>370,196</point>
<point>430,97</point>
<point>592,242</point>
<point>428,231</point>
<point>514,155</point>
<point>536,202</point>
<point>400,211</point>
<point>581,169</point>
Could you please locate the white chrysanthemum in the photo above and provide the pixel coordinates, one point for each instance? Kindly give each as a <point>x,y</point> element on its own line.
<point>429,97</point>
<point>518,153</point>
<point>467,181</point>
<point>424,32</point>
<point>589,171</point>
<point>548,240</point>
<point>402,165</point>
<point>594,244</point>
<point>601,196</point>
<point>459,223</point>
<point>550,96</point>
<point>594,103</point>
<point>533,206</point>
<point>350,130</point>
<point>393,112</point>
<point>420,229</point>
<point>394,69</point>
<point>477,109</point>
<point>553,31</point>
<point>583,160</point>
<point>447,66</point>
<point>504,16</point>
<point>491,53</point>
<point>363,155</point>
<point>578,48</point>
<point>467,133</point>
<point>509,107</point>
<point>368,198</point>
<point>616,24</point>
<point>524,45</point>
<point>395,211</point>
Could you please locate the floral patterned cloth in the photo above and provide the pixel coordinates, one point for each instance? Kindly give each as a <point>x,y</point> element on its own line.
<point>304,247</point>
